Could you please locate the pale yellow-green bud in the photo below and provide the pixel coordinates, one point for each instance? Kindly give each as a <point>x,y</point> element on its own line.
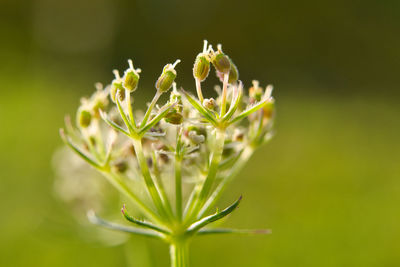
<point>201,67</point>
<point>233,73</point>
<point>167,77</point>
<point>131,78</point>
<point>221,61</point>
<point>84,118</point>
<point>210,103</point>
<point>116,86</point>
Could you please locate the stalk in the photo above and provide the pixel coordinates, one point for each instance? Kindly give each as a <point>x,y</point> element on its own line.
<point>198,89</point>
<point>150,108</point>
<point>119,185</point>
<point>178,187</point>
<point>212,173</point>
<point>224,94</point>
<point>244,157</point>
<point>179,253</point>
<point>151,186</point>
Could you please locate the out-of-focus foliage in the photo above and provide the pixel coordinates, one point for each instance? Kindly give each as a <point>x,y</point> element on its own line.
<point>327,185</point>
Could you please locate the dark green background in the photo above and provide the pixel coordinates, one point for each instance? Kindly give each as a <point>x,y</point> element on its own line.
<point>328,185</point>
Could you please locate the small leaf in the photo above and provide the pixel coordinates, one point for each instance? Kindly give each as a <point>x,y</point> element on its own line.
<point>94,219</point>
<point>77,150</point>
<point>237,97</point>
<point>123,115</point>
<point>113,124</point>
<point>251,109</point>
<point>234,231</point>
<point>142,223</point>
<point>203,111</point>
<point>161,114</point>
<point>212,218</point>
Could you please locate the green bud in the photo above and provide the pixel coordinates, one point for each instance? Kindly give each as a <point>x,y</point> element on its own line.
<point>120,166</point>
<point>167,77</point>
<point>233,73</point>
<point>196,138</point>
<point>174,117</point>
<point>116,86</point>
<point>256,91</point>
<point>131,78</point>
<point>220,61</point>
<point>84,118</point>
<point>210,103</point>
<point>201,67</point>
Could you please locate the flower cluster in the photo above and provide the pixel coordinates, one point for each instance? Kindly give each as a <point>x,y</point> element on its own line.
<point>173,161</point>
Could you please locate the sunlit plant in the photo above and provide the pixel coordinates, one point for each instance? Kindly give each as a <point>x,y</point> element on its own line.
<point>182,154</point>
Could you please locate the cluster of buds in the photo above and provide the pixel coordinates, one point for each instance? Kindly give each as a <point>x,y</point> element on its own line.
<point>175,160</point>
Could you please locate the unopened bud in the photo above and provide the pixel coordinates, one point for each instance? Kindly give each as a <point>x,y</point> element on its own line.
<point>238,136</point>
<point>117,88</point>
<point>131,78</point>
<point>268,110</point>
<point>233,73</point>
<point>255,92</point>
<point>174,117</point>
<point>167,77</point>
<point>84,118</point>
<point>201,67</point>
<point>120,166</point>
<point>221,61</point>
<point>209,103</point>
<point>196,138</point>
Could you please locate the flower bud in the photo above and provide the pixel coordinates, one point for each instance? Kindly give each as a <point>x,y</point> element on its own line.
<point>221,61</point>
<point>167,77</point>
<point>210,103</point>
<point>255,92</point>
<point>233,73</point>
<point>196,138</point>
<point>116,86</point>
<point>131,78</point>
<point>174,117</point>
<point>84,118</point>
<point>120,166</point>
<point>201,67</point>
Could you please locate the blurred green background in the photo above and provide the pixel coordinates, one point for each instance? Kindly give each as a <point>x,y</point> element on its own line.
<point>328,185</point>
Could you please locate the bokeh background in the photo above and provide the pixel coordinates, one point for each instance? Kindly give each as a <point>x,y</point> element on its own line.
<point>328,185</point>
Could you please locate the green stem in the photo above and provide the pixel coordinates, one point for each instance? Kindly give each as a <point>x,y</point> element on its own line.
<point>150,184</point>
<point>224,94</point>
<point>129,106</point>
<point>150,108</point>
<point>212,173</point>
<point>179,253</point>
<point>178,187</point>
<point>244,157</point>
<point>121,186</point>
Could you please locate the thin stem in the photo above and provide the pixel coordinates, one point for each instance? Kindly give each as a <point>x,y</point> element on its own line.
<point>244,157</point>
<point>212,173</point>
<point>198,89</point>
<point>224,93</point>
<point>179,253</point>
<point>178,187</point>
<point>123,188</point>
<point>150,108</point>
<point>150,184</point>
<point>129,106</point>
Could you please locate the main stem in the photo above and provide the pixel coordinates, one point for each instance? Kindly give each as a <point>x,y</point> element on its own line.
<point>179,253</point>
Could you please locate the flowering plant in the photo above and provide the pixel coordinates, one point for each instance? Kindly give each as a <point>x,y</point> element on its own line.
<point>182,154</point>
